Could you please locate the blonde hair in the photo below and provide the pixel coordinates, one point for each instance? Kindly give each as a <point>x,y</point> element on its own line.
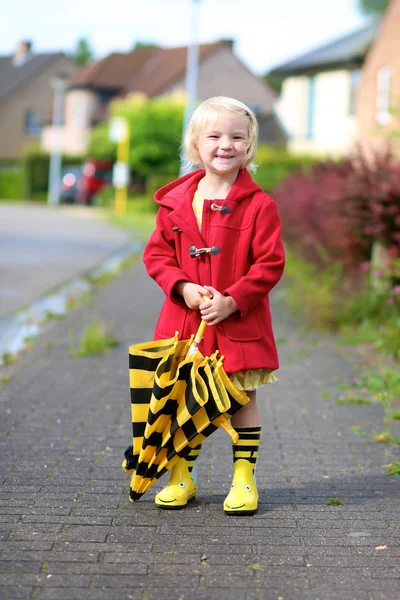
<point>203,114</point>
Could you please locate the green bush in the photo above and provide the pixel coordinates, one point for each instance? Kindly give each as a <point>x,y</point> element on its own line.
<point>155,182</point>
<point>100,145</point>
<point>155,133</point>
<point>275,164</point>
<point>330,301</point>
<point>311,292</point>
<point>12,183</point>
<point>36,165</point>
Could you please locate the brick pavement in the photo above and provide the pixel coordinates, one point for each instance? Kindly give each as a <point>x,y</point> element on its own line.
<point>67,529</point>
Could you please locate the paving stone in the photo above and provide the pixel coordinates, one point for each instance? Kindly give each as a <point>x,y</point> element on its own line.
<point>68,519</point>
<point>155,593</point>
<point>15,592</point>
<point>25,566</point>
<point>95,568</point>
<point>59,581</point>
<point>23,545</point>
<point>51,555</point>
<point>70,593</point>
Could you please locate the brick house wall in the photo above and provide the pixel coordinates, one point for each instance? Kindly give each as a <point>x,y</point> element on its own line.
<point>381,71</point>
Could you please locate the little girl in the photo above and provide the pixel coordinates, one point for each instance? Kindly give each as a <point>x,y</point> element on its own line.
<point>218,235</point>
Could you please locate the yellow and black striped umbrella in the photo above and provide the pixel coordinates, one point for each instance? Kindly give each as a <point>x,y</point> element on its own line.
<point>178,398</point>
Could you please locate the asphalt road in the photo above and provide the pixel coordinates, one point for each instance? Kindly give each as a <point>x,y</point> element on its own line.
<point>42,247</point>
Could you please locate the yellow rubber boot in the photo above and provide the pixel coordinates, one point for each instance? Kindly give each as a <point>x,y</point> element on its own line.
<point>181,487</point>
<point>243,496</point>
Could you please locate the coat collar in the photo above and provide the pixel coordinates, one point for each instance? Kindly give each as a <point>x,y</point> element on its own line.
<point>178,196</point>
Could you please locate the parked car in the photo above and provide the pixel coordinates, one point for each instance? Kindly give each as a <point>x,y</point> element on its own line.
<point>71,178</point>
<point>96,175</point>
<point>80,183</point>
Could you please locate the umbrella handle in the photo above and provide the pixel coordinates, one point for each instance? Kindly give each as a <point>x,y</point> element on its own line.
<point>201,330</point>
<point>199,334</point>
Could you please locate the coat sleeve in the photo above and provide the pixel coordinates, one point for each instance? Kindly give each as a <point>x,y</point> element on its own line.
<point>268,259</point>
<point>160,257</point>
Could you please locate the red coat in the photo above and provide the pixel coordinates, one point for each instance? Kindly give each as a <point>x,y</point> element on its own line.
<point>249,265</point>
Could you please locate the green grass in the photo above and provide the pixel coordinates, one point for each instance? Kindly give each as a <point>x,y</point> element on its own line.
<point>140,217</point>
<point>95,339</point>
<point>333,502</point>
<point>395,468</point>
<point>9,359</point>
<point>353,400</point>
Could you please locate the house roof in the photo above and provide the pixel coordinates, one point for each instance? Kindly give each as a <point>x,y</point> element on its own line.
<point>148,70</point>
<point>113,71</point>
<point>14,76</point>
<point>351,48</point>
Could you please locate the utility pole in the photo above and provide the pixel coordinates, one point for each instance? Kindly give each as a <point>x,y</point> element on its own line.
<point>58,85</point>
<point>192,72</point>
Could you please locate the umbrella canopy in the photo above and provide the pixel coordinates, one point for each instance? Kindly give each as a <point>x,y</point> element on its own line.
<point>178,398</point>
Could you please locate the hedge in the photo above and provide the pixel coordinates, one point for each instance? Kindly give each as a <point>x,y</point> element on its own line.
<point>36,166</point>
<point>12,183</point>
<point>276,164</point>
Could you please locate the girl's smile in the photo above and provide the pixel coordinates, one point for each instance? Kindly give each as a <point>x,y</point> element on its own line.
<point>223,143</point>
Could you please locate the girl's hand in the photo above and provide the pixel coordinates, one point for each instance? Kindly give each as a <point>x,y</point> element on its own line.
<point>218,308</point>
<point>192,293</point>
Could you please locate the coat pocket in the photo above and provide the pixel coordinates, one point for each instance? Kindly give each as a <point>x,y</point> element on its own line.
<point>242,330</point>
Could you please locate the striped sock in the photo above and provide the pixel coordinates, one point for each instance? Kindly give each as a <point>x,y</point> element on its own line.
<point>247,445</point>
<point>192,456</point>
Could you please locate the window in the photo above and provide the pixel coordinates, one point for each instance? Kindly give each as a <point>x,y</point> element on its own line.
<point>32,123</point>
<point>355,75</point>
<point>383,95</point>
<point>311,108</point>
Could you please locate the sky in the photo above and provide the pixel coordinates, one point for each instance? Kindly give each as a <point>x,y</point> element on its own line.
<point>266,33</point>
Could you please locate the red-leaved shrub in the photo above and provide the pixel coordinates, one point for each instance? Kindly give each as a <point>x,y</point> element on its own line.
<point>337,210</point>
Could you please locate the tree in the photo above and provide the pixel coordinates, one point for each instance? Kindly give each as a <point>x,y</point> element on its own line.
<point>155,134</point>
<point>274,81</point>
<point>83,52</point>
<point>373,7</point>
<point>141,45</point>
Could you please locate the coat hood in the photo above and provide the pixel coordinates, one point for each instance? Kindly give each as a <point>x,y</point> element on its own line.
<point>170,195</point>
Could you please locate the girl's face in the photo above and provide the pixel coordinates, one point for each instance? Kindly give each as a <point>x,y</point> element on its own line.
<point>223,143</point>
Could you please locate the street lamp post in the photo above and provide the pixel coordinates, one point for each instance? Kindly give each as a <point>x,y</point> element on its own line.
<point>192,71</point>
<point>58,84</point>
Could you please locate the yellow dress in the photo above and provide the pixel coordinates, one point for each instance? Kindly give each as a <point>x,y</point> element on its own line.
<point>243,380</point>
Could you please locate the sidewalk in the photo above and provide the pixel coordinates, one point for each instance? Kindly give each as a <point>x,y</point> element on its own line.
<point>43,246</point>
<point>47,254</point>
<point>68,530</point>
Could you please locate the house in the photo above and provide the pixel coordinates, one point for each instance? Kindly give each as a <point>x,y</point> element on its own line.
<point>26,97</point>
<point>378,101</point>
<point>318,105</point>
<point>155,71</point>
